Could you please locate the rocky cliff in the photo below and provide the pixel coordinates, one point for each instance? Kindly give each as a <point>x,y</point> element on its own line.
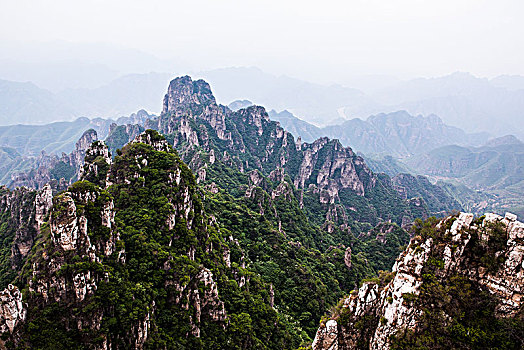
<point>127,258</point>
<point>22,214</point>
<point>459,284</point>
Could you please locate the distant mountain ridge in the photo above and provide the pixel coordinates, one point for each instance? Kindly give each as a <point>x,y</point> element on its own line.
<point>398,134</point>
<point>495,168</point>
<point>25,103</point>
<point>32,155</point>
<point>459,99</point>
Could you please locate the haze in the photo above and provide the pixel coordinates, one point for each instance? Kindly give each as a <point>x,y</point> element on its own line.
<point>326,62</point>
<point>328,41</point>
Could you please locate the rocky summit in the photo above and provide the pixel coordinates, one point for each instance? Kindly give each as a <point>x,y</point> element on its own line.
<point>459,284</point>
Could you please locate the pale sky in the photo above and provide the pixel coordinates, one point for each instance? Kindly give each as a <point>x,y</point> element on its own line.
<point>309,39</point>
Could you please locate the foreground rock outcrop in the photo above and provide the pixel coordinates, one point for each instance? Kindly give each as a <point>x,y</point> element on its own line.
<point>456,278</point>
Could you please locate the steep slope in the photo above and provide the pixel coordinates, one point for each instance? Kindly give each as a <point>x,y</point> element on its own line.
<point>129,258</point>
<point>439,202</point>
<point>22,213</point>
<point>204,131</point>
<point>457,285</point>
<point>304,222</point>
<point>315,194</point>
<point>303,204</point>
<point>495,168</point>
<point>265,232</point>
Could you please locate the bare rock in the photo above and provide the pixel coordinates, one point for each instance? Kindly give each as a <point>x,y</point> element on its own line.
<point>12,310</point>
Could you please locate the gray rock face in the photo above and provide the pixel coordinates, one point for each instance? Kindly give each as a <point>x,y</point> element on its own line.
<point>158,145</point>
<point>90,165</point>
<point>43,203</point>
<point>340,169</point>
<point>26,210</point>
<point>389,312</point>
<point>77,157</point>
<point>12,309</point>
<point>184,93</point>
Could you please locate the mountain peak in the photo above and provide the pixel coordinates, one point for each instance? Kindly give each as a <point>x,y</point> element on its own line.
<point>183,93</point>
<point>504,140</point>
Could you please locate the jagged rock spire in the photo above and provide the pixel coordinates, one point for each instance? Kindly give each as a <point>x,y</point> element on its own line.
<point>183,92</point>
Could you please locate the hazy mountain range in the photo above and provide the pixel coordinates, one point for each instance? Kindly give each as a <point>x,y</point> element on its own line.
<point>398,134</point>
<point>459,99</point>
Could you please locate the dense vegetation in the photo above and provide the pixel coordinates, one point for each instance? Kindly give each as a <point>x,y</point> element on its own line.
<point>303,262</point>
<point>284,270</point>
<point>156,261</point>
<point>279,256</point>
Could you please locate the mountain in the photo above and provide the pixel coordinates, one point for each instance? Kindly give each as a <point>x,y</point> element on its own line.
<point>396,134</point>
<point>386,164</point>
<point>439,202</point>
<point>239,104</point>
<point>97,219</point>
<point>248,140</point>
<point>248,245</point>
<point>460,99</point>
<point>306,131</point>
<point>54,169</point>
<point>109,278</point>
<point>33,155</point>
<point>249,251</point>
<point>399,134</point>
<point>494,169</point>
<point>495,165</point>
<point>457,285</point>
<point>27,103</point>
<point>53,138</point>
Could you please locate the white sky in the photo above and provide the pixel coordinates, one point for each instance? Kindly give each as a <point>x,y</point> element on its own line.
<point>309,39</point>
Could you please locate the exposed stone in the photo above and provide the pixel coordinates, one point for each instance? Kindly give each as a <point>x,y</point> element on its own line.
<point>12,310</point>
<point>347,257</point>
<point>390,313</point>
<point>43,203</point>
<point>327,336</point>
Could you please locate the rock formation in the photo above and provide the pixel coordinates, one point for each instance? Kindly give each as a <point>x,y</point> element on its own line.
<point>246,139</point>
<point>12,310</point>
<point>23,213</point>
<point>459,255</point>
